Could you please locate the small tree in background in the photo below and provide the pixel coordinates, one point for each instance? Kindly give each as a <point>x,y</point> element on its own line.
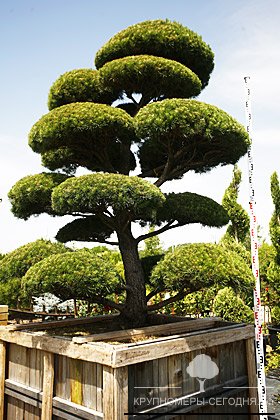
<point>151,69</point>
<point>231,307</point>
<point>239,227</point>
<point>274,226</point>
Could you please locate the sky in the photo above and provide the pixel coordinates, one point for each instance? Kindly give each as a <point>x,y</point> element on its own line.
<point>42,39</point>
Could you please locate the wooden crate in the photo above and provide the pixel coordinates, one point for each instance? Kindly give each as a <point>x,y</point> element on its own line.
<point>105,376</point>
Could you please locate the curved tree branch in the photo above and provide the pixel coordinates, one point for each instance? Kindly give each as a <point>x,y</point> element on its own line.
<point>166,227</point>
<point>152,294</point>
<point>172,299</point>
<point>107,302</point>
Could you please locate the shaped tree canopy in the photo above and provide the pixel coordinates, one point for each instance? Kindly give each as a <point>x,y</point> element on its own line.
<point>182,135</point>
<point>193,267</point>
<point>160,38</point>
<point>81,274</point>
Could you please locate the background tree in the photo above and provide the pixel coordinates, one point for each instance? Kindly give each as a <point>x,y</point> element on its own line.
<point>274,226</point>
<point>151,69</point>
<point>239,227</point>
<point>273,271</point>
<point>231,307</point>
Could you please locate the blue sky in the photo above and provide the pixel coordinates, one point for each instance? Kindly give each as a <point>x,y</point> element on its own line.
<point>42,39</point>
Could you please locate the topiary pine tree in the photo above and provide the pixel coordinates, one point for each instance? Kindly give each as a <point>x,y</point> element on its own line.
<point>136,104</point>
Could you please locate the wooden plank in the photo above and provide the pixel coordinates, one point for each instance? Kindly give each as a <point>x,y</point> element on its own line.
<point>175,376</point>
<point>4,318</point>
<point>76,409</point>
<point>89,385</point>
<point>99,386</point>
<point>2,377</point>
<point>190,342</point>
<point>48,384</point>
<point>163,377</point>
<point>34,393</point>
<point>35,363</point>
<point>18,364</point>
<point>63,323</point>
<point>76,390</point>
<point>121,392</point>
<point>239,358</point>
<point>22,397</point>
<point>226,362</point>
<point>190,384</point>
<point>115,393</point>
<point>62,377</point>
<point>166,329</point>
<point>34,397</point>
<point>15,409</point>
<point>98,353</point>
<point>4,308</point>
<point>108,393</point>
<point>252,377</point>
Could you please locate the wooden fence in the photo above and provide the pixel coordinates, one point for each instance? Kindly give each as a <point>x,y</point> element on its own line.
<point>108,376</point>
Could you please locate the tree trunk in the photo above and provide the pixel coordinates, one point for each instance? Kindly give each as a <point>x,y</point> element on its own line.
<point>134,313</point>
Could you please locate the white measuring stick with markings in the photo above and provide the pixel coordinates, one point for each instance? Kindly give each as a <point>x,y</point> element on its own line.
<point>255,266</point>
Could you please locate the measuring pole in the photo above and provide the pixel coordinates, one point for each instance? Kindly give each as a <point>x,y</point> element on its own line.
<point>255,265</point>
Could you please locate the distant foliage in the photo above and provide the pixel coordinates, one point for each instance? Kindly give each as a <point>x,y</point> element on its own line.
<point>231,307</point>
<point>17,262</point>
<point>239,228</point>
<point>274,227</point>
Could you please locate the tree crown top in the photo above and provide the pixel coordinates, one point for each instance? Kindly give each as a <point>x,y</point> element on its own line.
<point>161,38</point>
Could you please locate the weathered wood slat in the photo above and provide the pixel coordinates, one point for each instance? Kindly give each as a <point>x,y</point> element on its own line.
<point>115,393</point>
<point>78,410</point>
<point>2,377</point>
<point>99,386</point>
<point>23,389</point>
<point>252,376</point>
<point>89,385</point>
<point>4,308</point>
<point>189,342</point>
<point>3,318</point>
<point>108,399</point>
<point>23,398</point>
<point>167,329</point>
<point>48,385</point>
<point>76,390</point>
<point>62,323</point>
<point>100,354</point>
<point>34,397</point>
